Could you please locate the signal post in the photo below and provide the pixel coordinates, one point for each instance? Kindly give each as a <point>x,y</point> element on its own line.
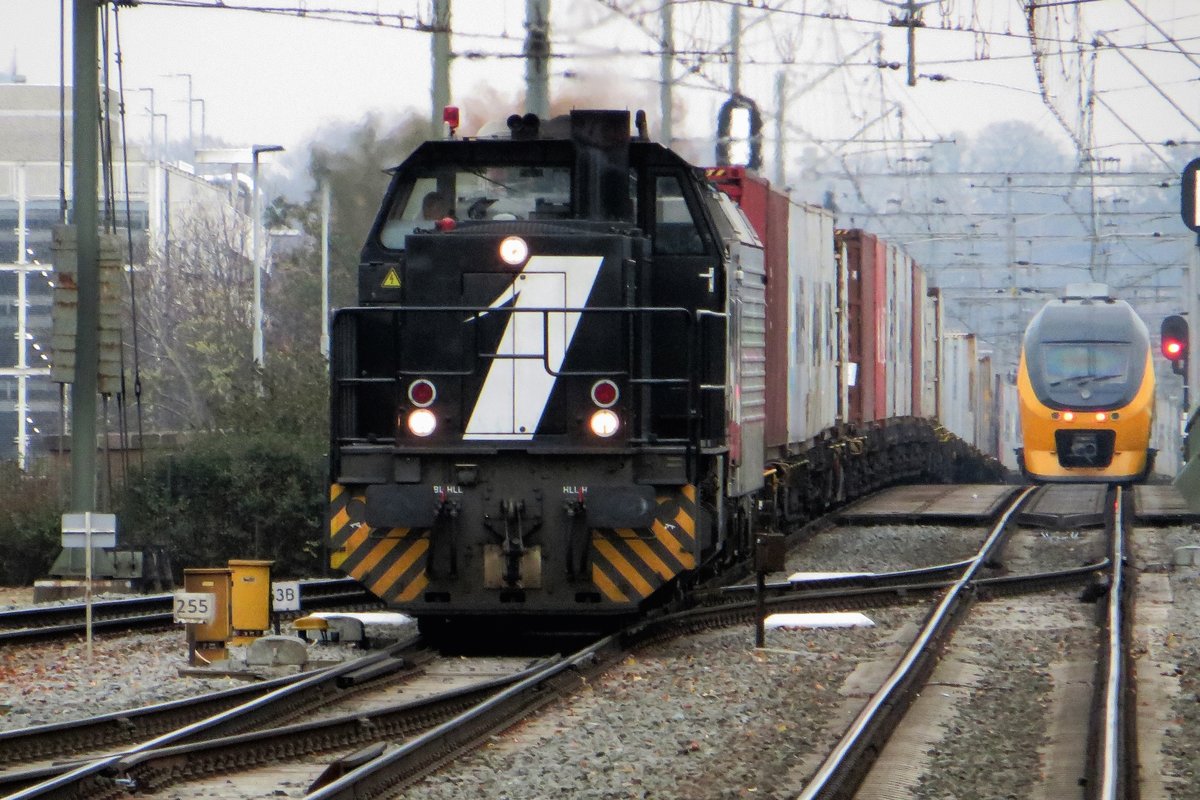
<point>1176,336</point>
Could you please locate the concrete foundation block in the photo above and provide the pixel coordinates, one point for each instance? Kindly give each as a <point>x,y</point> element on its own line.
<point>277,651</point>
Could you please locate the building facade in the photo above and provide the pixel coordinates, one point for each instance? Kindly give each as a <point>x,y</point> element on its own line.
<point>32,202</point>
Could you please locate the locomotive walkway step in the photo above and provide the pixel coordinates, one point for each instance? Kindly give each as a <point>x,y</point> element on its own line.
<point>1066,506</point>
<point>968,503</point>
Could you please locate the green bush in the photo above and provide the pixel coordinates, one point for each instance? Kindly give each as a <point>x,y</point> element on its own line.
<point>246,495</point>
<point>30,525</point>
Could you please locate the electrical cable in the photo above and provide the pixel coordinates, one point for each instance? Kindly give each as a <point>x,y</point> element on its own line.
<point>133,309</point>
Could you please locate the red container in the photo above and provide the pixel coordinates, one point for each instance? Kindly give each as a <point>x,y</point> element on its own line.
<point>865,262</point>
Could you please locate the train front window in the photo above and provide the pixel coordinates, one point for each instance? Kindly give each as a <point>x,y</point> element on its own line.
<point>477,194</point>
<point>1085,363</point>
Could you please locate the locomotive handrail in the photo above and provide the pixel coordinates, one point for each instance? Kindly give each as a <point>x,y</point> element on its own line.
<point>392,371</point>
<point>545,311</point>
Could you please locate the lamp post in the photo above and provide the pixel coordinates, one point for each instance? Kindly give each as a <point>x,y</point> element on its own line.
<point>233,157</point>
<point>153,149</point>
<point>166,132</point>
<point>203,135</point>
<point>256,224</point>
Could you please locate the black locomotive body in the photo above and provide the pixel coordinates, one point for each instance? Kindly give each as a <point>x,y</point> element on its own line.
<point>550,398</point>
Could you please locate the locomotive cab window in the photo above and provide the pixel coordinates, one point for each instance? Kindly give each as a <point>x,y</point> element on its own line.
<point>675,229</point>
<point>495,192</point>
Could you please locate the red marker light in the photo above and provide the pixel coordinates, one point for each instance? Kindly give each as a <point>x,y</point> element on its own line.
<point>604,393</point>
<point>450,117</point>
<point>445,224</point>
<point>422,393</point>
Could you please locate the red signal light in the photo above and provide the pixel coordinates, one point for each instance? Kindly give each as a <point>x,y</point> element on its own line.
<point>1174,342</point>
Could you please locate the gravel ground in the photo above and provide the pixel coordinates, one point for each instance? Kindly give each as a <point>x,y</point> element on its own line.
<point>992,746</point>
<point>709,716</point>
<point>53,682</point>
<point>703,717</point>
<point>884,548</point>
<point>1180,643</point>
<point>1028,551</point>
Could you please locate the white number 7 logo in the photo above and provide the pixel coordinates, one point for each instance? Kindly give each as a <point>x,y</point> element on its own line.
<point>515,391</point>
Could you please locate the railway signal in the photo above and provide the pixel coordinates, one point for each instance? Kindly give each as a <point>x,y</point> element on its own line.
<point>1190,207</point>
<point>1175,342</point>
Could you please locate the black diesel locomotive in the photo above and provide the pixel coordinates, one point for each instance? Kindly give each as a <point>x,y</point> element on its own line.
<point>551,400</point>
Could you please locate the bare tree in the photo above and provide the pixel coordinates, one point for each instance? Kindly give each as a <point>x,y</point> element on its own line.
<point>195,320</point>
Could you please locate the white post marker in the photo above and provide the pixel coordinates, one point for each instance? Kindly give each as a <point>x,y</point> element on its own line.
<point>77,531</point>
<point>285,596</point>
<point>195,607</point>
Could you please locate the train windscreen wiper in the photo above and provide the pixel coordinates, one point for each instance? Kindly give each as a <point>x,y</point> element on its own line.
<point>1081,380</point>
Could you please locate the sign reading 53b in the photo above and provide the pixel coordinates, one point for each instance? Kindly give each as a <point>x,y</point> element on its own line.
<point>285,596</point>
<point>195,607</point>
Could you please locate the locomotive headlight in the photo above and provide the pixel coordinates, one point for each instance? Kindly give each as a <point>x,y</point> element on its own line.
<point>1101,416</point>
<point>1068,416</point>
<point>604,422</point>
<point>514,251</point>
<point>422,422</point>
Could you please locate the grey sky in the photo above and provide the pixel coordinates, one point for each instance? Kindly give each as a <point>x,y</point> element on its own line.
<point>278,79</point>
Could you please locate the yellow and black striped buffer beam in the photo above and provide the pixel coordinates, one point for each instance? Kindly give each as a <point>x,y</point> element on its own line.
<point>629,564</point>
<point>391,563</point>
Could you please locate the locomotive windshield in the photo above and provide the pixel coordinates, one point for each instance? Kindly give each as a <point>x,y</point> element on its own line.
<point>476,193</point>
<point>1084,363</point>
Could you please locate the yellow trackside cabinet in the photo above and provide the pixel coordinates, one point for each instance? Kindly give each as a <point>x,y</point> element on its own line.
<point>207,640</point>
<point>250,599</point>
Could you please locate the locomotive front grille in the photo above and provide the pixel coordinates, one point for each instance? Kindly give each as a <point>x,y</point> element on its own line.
<point>1085,448</point>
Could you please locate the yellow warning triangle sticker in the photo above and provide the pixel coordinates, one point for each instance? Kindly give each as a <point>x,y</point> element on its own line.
<point>391,280</point>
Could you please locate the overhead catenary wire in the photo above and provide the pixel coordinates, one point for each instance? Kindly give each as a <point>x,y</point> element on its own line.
<point>132,283</point>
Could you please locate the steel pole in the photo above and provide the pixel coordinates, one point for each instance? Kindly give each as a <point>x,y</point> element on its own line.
<point>255,224</point>
<point>325,270</point>
<point>666,63</point>
<point>85,154</point>
<point>440,89</point>
<point>537,57</point>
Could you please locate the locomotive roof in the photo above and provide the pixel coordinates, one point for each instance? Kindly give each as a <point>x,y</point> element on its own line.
<point>542,150</point>
<point>1087,321</point>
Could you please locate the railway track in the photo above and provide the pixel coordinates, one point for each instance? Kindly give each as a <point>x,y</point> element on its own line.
<point>237,736</point>
<point>50,622</point>
<point>846,771</point>
<point>975,598</point>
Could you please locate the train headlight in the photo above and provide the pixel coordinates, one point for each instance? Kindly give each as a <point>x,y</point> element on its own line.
<point>604,423</point>
<point>422,422</point>
<point>514,251</point>
<point>1068,416</point>
<point>1101,416</point>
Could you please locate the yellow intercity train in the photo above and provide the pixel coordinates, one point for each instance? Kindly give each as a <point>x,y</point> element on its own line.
<point>1086,389</point>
